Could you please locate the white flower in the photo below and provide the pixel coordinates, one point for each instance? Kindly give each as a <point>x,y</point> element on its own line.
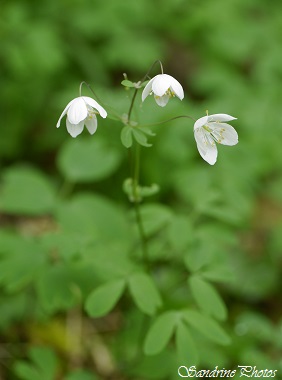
<point>163,87</point>
<point>211,129</point>
<point>80,111</point>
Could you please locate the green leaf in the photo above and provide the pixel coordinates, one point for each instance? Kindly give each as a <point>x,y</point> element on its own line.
<point>94,217</point>
<point>104,298</point>
<point>25,190</point>
<point>43,367</point>
<point>219,273</point>
<point>140,137</point>
<point>207,297</point>
<point>186,350</point>
<point>180,232</point>
<point>86,160</point>
<point>155,217</point>
<point>144,293</point>
<point>81,374</point>
<point>127,83</point>
<point>13,308</point>
<point>147,131</point>
<point>160,333</point>
<point>148,191</point>
<point>21,264</point>
<point>126,136</point>
<point>206,326</point>
<point>55,288</point>
<point>140,192</point>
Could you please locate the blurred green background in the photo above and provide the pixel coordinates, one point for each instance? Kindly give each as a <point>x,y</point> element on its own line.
<point>227,54</point>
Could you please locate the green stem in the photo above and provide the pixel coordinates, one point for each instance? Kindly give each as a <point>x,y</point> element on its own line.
<point>136,171</point>
<point>166,121</point>
<point>131,104</point>
<point>136,201</point>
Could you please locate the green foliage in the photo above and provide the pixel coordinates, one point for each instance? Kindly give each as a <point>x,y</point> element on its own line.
<point>43,365</point>
<point>104,298</point>
<point>207,297</point>
<point>87,160</point>
<point>26,191</point>
<point>160,333</point>
<point>72,274</point>
<point>81,375</point>
<point>186,350</point>
<point>144,293</point>
<point>207,326</point>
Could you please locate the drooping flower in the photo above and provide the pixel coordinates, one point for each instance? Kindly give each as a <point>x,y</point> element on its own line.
<point>163,87</point>
<point>82,111</point>
<point>211,129</point>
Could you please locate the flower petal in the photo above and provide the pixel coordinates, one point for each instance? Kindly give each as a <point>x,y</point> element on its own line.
<point>206,146</point>
<point>224,133</point>
<point>91,124</point>
<point>64,112</point>
<point>161,84</point>
<point>162,100</point>
<point>77,111</point>
<point>220,117</point>
<point>74,129</point>
<point>201,122</point>
<point>176,88</point>
<point>147,89</point>
<point>92,103</point>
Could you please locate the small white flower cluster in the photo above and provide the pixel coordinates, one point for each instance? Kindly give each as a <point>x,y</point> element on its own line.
<point>208,130</point>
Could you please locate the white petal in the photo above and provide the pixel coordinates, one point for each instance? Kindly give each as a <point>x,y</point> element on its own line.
<point>176,88</point>
<point>224,133</point>
<point>221,117</point>
<point>162,100</point>
<point>91,124</point>
<point>64,112</point>
<point>74,129</point>
<point>77,111</point>
<point>91,102</point>
<point>206,146</point>
<point>161,84</point>
<point>147,89</point>
<point>201,122</point>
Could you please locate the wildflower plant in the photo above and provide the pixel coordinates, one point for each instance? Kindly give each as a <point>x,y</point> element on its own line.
<point>135,270</point>
<point>138,273</point>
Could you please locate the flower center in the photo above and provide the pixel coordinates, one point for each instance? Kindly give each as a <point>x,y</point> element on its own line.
<point>216,134</point>
<point>91,113</point>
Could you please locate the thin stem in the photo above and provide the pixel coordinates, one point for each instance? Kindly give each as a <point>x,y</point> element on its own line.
<point>166,121</point>
<point>132,103</point>
<point>136,201</point>
<point>136,171</point>
<point>138,87</point>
